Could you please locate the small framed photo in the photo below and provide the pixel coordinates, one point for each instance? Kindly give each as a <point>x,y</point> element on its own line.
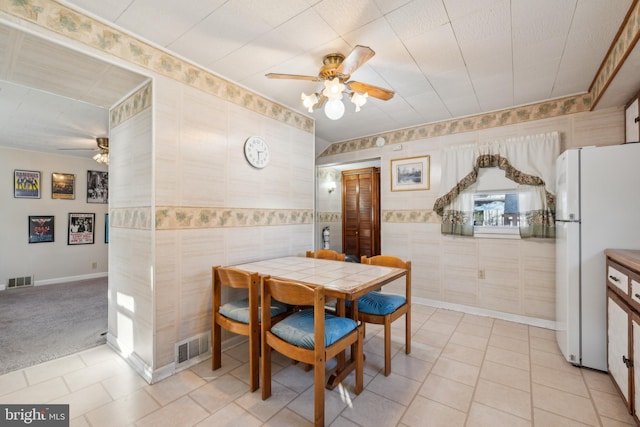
<point>106,228</point>
<point>41,228</point>
<point>411,173</point>
<point>97,187</point>
<point>26,184</point>
<point>63,186</point>
<point>81,228</point>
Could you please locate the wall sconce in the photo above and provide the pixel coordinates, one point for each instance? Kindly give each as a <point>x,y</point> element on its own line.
<point>332,187</point>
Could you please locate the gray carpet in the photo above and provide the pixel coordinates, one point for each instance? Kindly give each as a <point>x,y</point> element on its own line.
<point>42,323</point>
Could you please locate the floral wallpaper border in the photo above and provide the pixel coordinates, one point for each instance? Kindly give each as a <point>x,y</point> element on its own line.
<point>171,217</point>
<point>134,104</point>
<point>411,216</point>
<point>330,217</point>
<point>76,26</point>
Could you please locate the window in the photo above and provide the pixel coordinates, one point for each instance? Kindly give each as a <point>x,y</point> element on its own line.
<point>495,205</point>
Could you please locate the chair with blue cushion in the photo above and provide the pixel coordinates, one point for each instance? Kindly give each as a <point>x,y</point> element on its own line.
<point>310,336</point>
<point>383,309</point>
<point>241,316</point>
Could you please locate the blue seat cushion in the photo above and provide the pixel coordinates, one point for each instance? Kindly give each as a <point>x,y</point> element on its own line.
<point>297,329</point>
<point>239,310</point>
<point>378,303</point>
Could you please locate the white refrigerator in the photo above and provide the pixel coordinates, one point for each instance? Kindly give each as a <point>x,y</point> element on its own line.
<point>597,207</point>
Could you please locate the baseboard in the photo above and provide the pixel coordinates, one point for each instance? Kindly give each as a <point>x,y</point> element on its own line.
<point>531,321</point>
<point>70,279</point>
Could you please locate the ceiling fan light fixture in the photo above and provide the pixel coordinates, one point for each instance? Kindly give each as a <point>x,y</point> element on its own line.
<point>333,88</point>
<point>102,157</point>
<point>359,99</point>
<point>309,101</point>
<point>334,109</point>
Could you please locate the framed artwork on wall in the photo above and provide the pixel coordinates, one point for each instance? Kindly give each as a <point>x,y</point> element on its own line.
<point>63,186</point>
<point>97,187</point>
<point>81,228</point>
<point>411,173</point>
<point>41,228</point>
<point>26,184</point>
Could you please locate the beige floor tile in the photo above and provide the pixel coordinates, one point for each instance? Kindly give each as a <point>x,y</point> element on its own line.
<point>544,344</point>
<point>287,417</point>
<point>598,380</point>
<point>230,416</point>
<point>175,386</point>
<point>371,409</point>
<point>295,377</point>
<point>218,393</point>
<point>424,352</point>
<point>339,422</point>
<point>447,316</point>
<point>432,338</point>
<point>447,392</point>
<point>85,400</point>
<point>423,411</point>
<point>486,416</point>
<point>508,357</point>
<point>476,329</point>
<point>12,382</point>
<point>468,340</point>
<point>99,354</point>
<point>564,404</point>
<point>503,398</point>
<point>544,418</point>
<point>509,343</point>
<point>560,380</point>
<point>204,371</point>
<point>80,421</point>
<point>475,319</point>
<point>334,403</point>
<point>124,384</point>
<point>54,368</point>
<point>123,411</point>
<point>463,354</point>
<point>456,371</point>
<point>394,387</point>
<point>611,406</point>
<point>410,367</point>
<point>547,334</point>
<point>608,422</point>
<point>43,392</point>
<point>94,374</point>
<point>443,328</point>
<point>510,329</point>
<point>181,412</point>
<point>506,375</point>
<point>554,361</point>
<point>265,409</point>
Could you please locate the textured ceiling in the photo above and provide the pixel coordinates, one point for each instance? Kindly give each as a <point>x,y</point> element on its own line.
<point>443,58</point>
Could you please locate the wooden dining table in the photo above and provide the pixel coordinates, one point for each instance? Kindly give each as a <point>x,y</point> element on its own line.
<point>346,281</point>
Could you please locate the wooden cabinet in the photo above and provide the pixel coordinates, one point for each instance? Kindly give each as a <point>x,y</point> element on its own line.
<point>623,325</point>
<point>361,212</point>
<point>632,120</point>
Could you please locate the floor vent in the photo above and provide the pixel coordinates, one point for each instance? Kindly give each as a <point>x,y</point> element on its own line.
<point>192,348</point>
<point>19,282</point>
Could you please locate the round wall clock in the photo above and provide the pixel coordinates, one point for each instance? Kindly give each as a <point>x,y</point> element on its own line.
<point>256,151</point>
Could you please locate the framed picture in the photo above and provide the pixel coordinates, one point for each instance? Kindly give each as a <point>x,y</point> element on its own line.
<point>97,187</point>
<point>41,228</point>
<point>81,228</point>
<point>26,184</point>
<point>63,186</point>
<point>411,173</point>
<point>106,228</point>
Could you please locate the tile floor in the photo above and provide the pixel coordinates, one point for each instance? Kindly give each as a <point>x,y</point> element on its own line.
<point>464,370</point>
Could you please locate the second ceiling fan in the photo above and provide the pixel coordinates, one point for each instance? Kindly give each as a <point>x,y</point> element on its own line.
<point>335,73</point>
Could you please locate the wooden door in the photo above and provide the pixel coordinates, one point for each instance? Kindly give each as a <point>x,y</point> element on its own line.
<point>361,212</point>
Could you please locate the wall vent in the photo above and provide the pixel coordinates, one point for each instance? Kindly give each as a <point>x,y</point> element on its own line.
<point>19,282</point>
<point>191,348</point>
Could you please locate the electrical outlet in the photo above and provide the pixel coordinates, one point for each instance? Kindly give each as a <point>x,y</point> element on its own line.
<point>480,274</point>
<point>94,265</point>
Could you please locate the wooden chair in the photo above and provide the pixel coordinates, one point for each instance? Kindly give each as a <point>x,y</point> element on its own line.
<point>239,316</point>
<point>309,336</point>
<point>383,309</point>
<point>326,254</point>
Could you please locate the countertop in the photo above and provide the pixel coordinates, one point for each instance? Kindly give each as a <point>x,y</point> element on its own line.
<point>628,258</point>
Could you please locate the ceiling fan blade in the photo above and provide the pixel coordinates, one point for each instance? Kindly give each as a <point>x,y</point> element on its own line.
<point>291,76</point>
<point>376,92</point>
<point>320,102</point>
<point>358,56</point>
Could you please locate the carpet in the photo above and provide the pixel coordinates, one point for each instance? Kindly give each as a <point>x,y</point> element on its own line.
<point>42,323</point>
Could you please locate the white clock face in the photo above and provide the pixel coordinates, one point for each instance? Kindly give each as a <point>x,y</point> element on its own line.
<point>256,151</point>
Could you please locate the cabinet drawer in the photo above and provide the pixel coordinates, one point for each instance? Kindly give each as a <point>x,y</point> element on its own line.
<point>619,279</point>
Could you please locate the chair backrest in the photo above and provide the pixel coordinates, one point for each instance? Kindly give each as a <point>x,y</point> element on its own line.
<point>326,254</point>
<point>391,261</point>
<point>294,293</point>
<point>234,278</point>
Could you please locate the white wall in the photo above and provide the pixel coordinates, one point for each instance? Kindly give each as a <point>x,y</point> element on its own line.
<point>48,262</point>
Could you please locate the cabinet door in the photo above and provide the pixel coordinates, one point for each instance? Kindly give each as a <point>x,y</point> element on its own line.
<point>618,344</point>
<point>360,212</point>
<point>632,124</point>
<point>635,336</point>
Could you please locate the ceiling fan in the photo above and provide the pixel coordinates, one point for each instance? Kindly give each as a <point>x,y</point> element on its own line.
<point>335,73</point>
<point>102,146</point>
